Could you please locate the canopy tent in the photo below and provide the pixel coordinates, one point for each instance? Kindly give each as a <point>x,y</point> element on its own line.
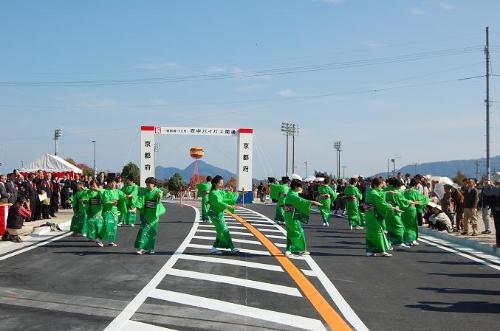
<point>53,164</point>
<point>440,183</point>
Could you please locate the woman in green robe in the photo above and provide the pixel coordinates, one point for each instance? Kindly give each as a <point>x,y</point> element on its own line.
<point>395,226</point>
<point>130,215</point>
<point>353,196</point>
<point>221,200</point>
<point>377,208</point>
<point>203,191</point>
<point>297,211</point>
<point>94,212</point>
<point>150,209</point>
<point>112,199</point>
<point>278,192</point>
<point>79,203</point>
<point>326,196</point>
<point>410,215</point>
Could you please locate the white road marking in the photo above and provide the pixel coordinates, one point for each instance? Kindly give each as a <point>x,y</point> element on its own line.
<point>29,248</point>
<point>232,308</point>
<point>140,326</point>
<point>232,232</point>
<point>334,294</point>
<point>229,226</point>
<point>275,237</point>
<point>263,286</point>
<point>236,240</point>
<point>246,264</point>
<point>242,250</point>
<point>457,249</point>
<point>131,308</point>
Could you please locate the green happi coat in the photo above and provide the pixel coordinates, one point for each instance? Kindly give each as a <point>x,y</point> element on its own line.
<point>326,196</point>
<point>203,191</point>
<point>376,241</point>
<point>110,213</point>
<point>221,200</point>
<point>150,209</point>
<point>395,227</point>
<point>353,197</point>
<point>278,192</point>
<point>409,216</point>
<point>297,210</point>
<point>130,215</point>
<point>94,214</point>
<point>79,203</point>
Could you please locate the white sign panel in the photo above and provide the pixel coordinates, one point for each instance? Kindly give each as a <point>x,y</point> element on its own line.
<point>199,131</point>
<point>147,155</point>
<point>245,147</point>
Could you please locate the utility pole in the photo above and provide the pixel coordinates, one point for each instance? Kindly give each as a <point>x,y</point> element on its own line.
<point>95,169</point>
<point>388,168</point>
<point>415,165</point>
<point>487,54</point>
<point>478,164</point>
<point>338,146</point>
<point>343,171</point>
<point>290,129</point>
<point>306,164</point>
<point>57,135</point>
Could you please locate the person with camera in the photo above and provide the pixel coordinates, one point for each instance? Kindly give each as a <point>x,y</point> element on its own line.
<point>18,213</point>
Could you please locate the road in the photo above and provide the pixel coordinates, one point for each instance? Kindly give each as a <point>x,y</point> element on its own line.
<point>70,284</point>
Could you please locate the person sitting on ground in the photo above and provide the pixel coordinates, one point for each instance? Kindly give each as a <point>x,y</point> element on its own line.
<point>18,213</point>
<point>438,219</point>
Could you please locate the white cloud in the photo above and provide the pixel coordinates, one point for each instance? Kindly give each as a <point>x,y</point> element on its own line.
<point>287,93</point>
<point>416,11</point>
<point>374,44</point>
<point>157,66</point>
<point>446,5</point>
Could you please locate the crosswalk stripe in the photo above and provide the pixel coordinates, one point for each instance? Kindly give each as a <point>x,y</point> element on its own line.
<point>140,326</point>
<point>234,233</point>
<point>247,264</point>
<point>242,310</point>
<point>263,286</point>
<point>243,250</point>
<point>236,240</point>
<point>229,226</point>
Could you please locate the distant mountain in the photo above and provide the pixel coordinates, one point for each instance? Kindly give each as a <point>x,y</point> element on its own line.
<point>450,168</point>
<point>205,169</point>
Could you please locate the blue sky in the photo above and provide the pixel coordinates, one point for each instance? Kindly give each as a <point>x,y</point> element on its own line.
<point>411,106</point>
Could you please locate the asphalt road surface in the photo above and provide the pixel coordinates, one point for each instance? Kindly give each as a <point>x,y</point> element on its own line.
<point>71,284</point>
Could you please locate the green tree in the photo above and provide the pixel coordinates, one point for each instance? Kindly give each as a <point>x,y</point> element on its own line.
<point>70,160</point>
<point>131,169</point>
<point>175,183</point>
<point>459,177</point>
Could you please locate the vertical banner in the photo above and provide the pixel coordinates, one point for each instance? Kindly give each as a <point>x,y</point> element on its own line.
<point>4,213</point>
<point>147,153</point>
<point>245,147</point>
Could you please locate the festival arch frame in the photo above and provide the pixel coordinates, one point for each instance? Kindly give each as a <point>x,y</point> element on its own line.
<point>244,150</point>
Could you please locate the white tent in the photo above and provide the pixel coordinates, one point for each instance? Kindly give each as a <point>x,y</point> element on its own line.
<point>51,163</point>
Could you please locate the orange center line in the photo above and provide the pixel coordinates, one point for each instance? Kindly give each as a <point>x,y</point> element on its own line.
<point>322,306</point>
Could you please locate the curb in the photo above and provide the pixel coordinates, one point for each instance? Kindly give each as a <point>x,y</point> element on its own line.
<point>474,244</point>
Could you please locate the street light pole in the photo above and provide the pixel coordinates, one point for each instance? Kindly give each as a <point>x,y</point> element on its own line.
<point>290,129</point>
<point>306,163</point>
<point>95,169</point>
<point>338,146</point>
<point>57,135</point>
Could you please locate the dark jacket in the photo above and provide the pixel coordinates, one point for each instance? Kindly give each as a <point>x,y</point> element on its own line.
<point>12,189</point>
<point>4,195</point>
<point>471,198</point>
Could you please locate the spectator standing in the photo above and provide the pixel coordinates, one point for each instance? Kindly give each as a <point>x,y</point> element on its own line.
<point>11,188</point>
<point>471,201</point>
<point>54,199</point>
<point>30,193</point>
<point>4,195</point>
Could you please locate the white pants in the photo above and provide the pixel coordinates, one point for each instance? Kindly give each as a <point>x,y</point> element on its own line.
<point>486,218</point>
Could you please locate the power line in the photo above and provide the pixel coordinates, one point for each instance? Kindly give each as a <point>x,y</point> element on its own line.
<point>253,74</point>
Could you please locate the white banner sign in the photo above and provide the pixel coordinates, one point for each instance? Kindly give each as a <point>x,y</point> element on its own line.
<point>199,131</point>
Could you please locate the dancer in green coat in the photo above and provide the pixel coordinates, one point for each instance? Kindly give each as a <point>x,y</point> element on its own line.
<point>377,208</point>
<point>326,196</point>
<point>130,215</point>
<point>79,203</point>
<point>409,216</point>
<point>395,226</point>
<point>150,208</point>
<point>203,191</point>
<point>221,200</point>
<point>113,203</point>
<point>94,212</point>
<point>297,211</point>
<point>353,197</point>
<point>278,192</point>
